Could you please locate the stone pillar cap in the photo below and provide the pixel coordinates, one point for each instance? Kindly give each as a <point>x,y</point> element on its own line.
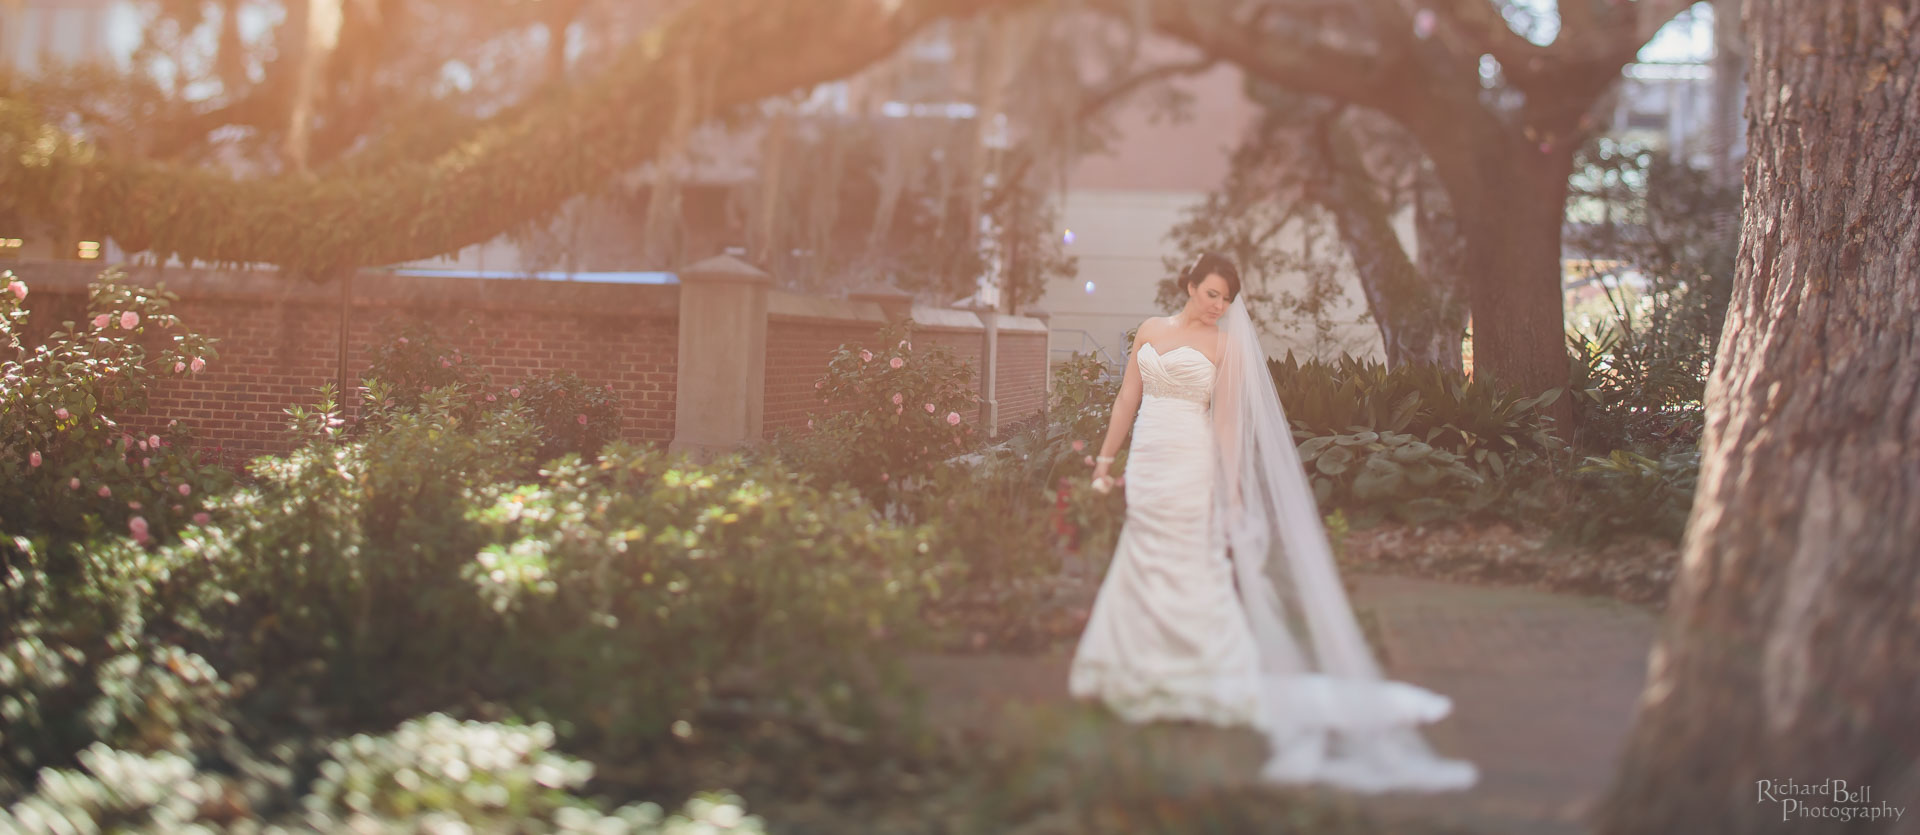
<point>724,268</point>
<point>878,291</point>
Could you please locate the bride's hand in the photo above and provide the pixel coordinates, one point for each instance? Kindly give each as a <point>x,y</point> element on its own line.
<point>1102,482</point>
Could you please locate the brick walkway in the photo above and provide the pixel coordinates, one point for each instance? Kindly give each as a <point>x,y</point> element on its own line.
<point>1543,686</point>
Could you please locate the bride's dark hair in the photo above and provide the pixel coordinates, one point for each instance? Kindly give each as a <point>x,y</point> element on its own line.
<point>1211,263</point>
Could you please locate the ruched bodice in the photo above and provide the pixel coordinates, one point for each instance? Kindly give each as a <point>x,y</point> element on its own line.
<point>1182,373</point>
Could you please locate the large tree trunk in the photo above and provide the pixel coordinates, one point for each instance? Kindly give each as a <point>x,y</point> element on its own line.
<point>1792,646</point>
<point>1512,231</point>
<point>317,32</point>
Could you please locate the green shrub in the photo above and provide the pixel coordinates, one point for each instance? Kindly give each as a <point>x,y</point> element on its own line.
<point>1439,407</point>
<point>889,413</point>
<point>413,358</point>
<point>1381,474</point>
<point>569,415</point>
<point>432,774</point>
<point>1082,400</point>
<point>68,468</point>
<point>337,577</point>
<point>637,588</point>
<point>1626,492</point>
<point>77,665</point>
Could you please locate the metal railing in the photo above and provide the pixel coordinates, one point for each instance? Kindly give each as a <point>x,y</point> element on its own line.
<point>1088,343</point>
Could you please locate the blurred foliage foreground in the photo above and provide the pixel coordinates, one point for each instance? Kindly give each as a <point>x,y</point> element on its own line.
<point>412,623</point>
<point>458,608</point>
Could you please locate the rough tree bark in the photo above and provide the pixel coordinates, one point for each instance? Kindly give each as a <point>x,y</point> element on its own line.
<point>1417,313</point>
<point>1792,645</point>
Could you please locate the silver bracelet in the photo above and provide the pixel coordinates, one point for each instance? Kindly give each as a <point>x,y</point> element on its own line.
<point>1104,459</point>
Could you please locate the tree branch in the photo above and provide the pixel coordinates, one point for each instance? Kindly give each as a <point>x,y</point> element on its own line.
<point>1312,67</point>
<point>1114,91</point>
<point>1487,32</point>
<point>514,168</point>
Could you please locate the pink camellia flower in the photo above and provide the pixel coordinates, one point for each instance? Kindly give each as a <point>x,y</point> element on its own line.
<point>62,413</point>
<point>809,423</point>
<point>514,391</point>
<point>101,320</point>
<point>186,489</point>
<point>73,483</point>
<point>146,462</point>
<point>897,399</point>
<point>19,288</point>
<point>906,345</point>
<point>105,491</point>
<point>953,418</point>
<point>197,365</point>
<point>138,525</point>
<point>403,340</point>
<point>444,363</point>
<point>33,458</point>
<point>580,419</point>
<point>866,355</point>
<point>885,477</point>
<point>179,367</point>
<point>899,410</point>
<point>819,384</point>
<point>129,319</point>
<point>201,518</point>
<point>153,441</point>
<point>609,387</point>
<point>1079,445</point>
<point>896,362</point>
<point>490,398</point>
<point>930,409</point>
<point>133,506</point>
<point>142,445</point>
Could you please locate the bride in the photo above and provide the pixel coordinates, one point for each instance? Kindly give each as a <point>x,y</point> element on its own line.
<point>1192,623</point>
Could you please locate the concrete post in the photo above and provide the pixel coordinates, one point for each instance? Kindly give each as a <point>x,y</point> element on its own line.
<point>990,372</point>
<point>721,379</point>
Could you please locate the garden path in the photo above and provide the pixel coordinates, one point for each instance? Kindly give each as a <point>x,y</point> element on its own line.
<point>1544,687</point>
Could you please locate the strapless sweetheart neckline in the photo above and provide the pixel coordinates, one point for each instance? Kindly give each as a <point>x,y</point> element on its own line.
<point>1176,351</point>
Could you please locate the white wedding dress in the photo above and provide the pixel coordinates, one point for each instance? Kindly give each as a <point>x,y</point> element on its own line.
<point>1169,637</point>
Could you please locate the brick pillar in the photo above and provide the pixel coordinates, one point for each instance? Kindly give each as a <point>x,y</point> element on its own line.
<point>720,399</point>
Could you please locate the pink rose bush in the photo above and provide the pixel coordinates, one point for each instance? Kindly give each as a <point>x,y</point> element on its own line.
<point>883,408</point>
<point>63,461</point>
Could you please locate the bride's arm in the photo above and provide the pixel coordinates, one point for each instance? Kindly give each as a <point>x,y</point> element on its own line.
<point>1125,405</point>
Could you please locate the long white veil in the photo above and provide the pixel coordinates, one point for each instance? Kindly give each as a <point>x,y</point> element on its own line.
<point>1328,714</point>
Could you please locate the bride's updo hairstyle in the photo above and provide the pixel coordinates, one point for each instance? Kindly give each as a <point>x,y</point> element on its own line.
<point>1207,264</point>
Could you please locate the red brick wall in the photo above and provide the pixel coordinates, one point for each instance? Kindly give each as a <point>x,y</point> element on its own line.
<point>797,356</point>
<point>1021,384</point>
<point>278,341</point>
